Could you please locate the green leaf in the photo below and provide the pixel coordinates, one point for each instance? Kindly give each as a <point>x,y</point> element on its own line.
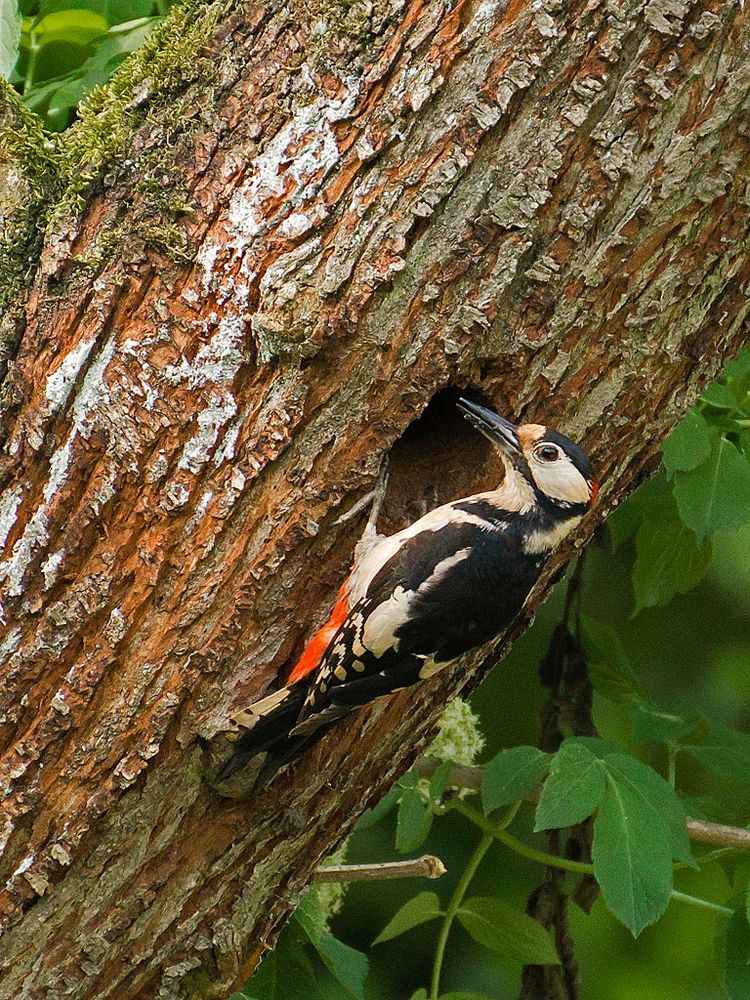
<point>640,826</point>
<point>439,780</point>
<point>10,35</point>
<point>740,367</point>
<point>651,723</point>
<point>309,916</point>
<point>386,805</point>
<point>347,965</point>
<point>69,52</point>
<point>608,663</point>
<point>286,973</point>
<point>511,774</point>
<point>414,822</point>
<point>632,860</point>
<point>715,496</point>
<point>263,984</point>
<point>623,522</point>
<point>669,559</point>
<point>658,795</point>
<point>76,24</point>
<point>573,790</point>
<point>599,748</point>
<point>498,926</point>
<point>721,749</point>
<point>719,395</point>
<point>420,994</point>
<point>737,955</point>
<point>415,911</point>
<point>689,444</point>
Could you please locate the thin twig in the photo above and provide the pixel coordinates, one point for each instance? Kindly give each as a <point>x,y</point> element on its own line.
<point>427,866</point>
<point>697,829</point>
<point>718,833</point>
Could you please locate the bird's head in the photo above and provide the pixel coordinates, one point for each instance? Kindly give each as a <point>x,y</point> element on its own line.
<point>551,464</point>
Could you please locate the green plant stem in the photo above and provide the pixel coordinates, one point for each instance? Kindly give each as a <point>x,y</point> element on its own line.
<point>704,904</point>
<point>671,763</point>
<point>453,906</point>
<point>457,898</point>
<point>498,832</point>
<point>707,858</point>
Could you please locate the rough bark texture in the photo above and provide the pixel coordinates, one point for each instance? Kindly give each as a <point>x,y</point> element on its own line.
<point>293,232</point>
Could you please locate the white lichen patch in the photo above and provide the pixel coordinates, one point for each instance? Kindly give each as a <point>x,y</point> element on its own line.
<point>591,410</point>
<point>61,381</point>
<point>5,832</point>
<point>51,567</point>
<point>58,703</point>
<point>35,535</point>
<point>197,449</point>
<point>296,176</point>
<point>9,505</point>
<point>206,258</point>
<point>116,627</point>
<point>217,362</point>
<point>10,645</point>
<point>175,495</point>
<point>59,466</point>
<point>92,398</point>
<point>200,511</point>
<point>95,392</point>
<point>225,451</point>
<point>27,862</point>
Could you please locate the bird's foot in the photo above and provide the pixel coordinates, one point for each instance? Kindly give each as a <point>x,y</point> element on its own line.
<point>373,499</point>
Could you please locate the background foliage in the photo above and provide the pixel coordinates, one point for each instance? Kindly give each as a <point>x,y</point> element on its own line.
<point>65,48</point>
<point>661,625</point>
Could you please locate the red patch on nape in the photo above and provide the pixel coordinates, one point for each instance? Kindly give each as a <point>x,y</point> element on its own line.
<point>594,492</point>
<point>316,647</point>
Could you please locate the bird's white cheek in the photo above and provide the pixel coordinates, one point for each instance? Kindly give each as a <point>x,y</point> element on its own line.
<point>561,481</point>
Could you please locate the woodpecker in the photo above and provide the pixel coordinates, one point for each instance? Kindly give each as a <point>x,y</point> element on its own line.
<point>417,600</point>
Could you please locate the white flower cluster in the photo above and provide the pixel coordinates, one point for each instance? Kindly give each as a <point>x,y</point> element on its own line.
<point>459,739</point>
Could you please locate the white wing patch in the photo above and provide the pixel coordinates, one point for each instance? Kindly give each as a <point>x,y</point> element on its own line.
<point>444,567</point>
<point>378,634</point>
<point>374,551</point>
<point>432,666</point>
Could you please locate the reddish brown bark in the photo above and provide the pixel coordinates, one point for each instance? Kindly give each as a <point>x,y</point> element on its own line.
<point>543,205</point>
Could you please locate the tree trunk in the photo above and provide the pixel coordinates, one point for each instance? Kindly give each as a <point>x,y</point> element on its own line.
<point>282,235</point>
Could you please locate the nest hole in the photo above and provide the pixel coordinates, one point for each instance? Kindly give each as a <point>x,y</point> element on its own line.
<point>439,457</point>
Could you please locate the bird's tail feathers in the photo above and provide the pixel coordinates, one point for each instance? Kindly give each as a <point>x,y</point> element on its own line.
<point>264,726</point>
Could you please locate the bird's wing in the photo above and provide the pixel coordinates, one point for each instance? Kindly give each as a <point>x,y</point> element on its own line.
<point>436,597</point>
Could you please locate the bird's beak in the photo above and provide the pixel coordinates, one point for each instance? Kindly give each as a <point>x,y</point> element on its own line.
<point>498,430</point>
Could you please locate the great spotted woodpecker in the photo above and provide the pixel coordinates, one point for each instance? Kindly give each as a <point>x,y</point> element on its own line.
<point>417,600</point>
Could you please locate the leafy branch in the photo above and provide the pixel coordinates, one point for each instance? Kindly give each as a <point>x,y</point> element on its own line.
<point>699,830</point>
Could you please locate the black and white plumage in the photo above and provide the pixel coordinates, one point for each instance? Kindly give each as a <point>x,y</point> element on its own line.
<point>417,600</point>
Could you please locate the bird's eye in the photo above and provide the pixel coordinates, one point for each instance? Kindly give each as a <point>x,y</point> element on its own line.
<point>547,453</point>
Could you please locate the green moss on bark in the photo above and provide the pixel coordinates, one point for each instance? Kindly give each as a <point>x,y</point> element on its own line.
<point>157,75</point>
<point>29,181</point>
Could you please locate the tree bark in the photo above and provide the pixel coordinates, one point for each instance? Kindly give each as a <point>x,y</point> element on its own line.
<point>285,238</point>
